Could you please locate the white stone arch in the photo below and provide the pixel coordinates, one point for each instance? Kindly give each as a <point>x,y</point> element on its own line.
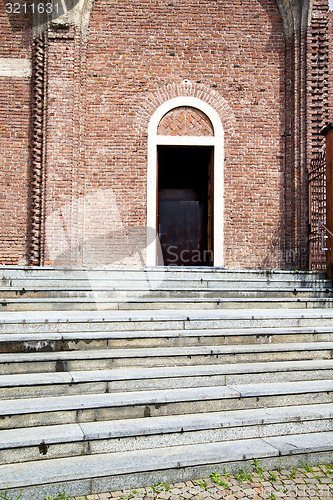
<point>216,141</point>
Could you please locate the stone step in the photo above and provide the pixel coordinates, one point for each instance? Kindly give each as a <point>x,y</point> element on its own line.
<point>70,341</point>
<point>49,442</point>
<point>90,304</point>
<point>120,470</point>
<point>55,321</point>
<point>226,365</point>
<point>103,359</point>
<point>31,412</point>
<point>142,379</point>
<point>155,273</point>
<point>11,295</point>
<point>143,285</point>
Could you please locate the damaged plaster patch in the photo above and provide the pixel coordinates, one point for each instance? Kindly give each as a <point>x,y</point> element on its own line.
<point>15,68</point>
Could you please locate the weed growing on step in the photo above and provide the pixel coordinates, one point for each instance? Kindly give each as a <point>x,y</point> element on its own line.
<point>326,469</point>
<point>159,487</point>
<point>272,477</point>
<point>293,472</point>
<point>225,473</point>
<point>62,496</point>
<point>257,468</point>
<point>216,478</point>
<point>131,494</point>
<point>279,467</point>
<point>243,476</point>
<point>305,465</point>
<point>3,496</point>
<point>272,496</point>
<point>202,483</point>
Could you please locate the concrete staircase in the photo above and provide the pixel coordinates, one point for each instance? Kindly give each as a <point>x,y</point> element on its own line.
<point>121,378</point>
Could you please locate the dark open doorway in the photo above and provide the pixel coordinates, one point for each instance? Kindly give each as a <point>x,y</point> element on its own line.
<point>185,205</point>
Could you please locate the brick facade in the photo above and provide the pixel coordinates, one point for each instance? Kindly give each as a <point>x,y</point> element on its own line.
<point>15,41</point>
<point>81,125</point>
<point>330,66</point>
<point>241,59</point>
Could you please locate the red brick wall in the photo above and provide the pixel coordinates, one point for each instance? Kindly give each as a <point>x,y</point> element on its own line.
<point>330,67</point>
<point>100,94</point>
<point>135,48</point>
<point>15,41</point>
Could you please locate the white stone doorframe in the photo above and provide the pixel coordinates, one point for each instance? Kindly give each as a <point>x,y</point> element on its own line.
<point>216,141</point>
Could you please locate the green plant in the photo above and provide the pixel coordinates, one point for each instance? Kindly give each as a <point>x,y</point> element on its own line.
<point>279,467</point>
<point>216,478</point>
<point>293,472</point>
<point>272,496</point>
<point>130,495</point>
<point>62,496</point>
<point>159,487</point>
<point>318,479</point>
<point>256,468</point>
<point>328,468</point>
<point>3,496</point>
<point>243,476</point>
<point>202,483</point>
<point>255,465</point>
<point>305,465</point>
<point>272,477</point>
<point>225,473</point>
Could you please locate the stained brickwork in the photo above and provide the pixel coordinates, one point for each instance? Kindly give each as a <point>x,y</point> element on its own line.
<point>330,65</point>
<point>15,42</point>
<point>185,121</point>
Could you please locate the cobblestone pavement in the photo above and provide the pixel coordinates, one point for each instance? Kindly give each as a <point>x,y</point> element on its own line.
<point>309,483</point>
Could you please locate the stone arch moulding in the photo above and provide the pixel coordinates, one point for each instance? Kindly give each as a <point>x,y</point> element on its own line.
<point>216,141</point>
<point>295,15</point>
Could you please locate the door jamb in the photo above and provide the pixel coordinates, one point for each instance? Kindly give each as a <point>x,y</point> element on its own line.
<point>216,141</point>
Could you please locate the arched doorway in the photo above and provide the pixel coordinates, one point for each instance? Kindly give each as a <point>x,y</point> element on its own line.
<point>185,203</point>
<point>185,183</point>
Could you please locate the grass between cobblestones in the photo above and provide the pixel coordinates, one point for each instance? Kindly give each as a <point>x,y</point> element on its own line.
<point>303,483</point>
